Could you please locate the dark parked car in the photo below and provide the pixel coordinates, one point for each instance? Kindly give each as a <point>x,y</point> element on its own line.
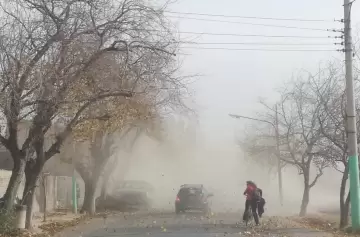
<point>128,195</point>
<point>193,197</point>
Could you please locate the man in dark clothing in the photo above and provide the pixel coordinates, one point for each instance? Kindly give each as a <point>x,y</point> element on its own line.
<point>251,201</point>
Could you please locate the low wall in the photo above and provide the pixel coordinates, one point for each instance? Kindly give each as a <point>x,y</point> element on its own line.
<point>48,184</point>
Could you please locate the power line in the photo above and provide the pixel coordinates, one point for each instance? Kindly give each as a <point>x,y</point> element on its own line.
<point>254,43</point>
<point>254,24</point>
<point>249,17</point>
<point>246,35</point>
<point>251,35</point>
<point>259,49</point>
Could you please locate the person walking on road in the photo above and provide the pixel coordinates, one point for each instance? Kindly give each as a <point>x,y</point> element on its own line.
<point>252,198</point>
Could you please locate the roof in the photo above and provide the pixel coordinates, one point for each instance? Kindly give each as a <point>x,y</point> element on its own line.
<point>192,186</point>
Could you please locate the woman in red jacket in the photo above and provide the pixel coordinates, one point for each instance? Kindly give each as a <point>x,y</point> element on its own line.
<point>251,201</point>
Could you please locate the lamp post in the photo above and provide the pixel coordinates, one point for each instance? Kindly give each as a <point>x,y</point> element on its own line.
<point>276,128</point>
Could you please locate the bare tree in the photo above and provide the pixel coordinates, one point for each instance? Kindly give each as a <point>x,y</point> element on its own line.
<point>91,167</point>
<point>301,143</point>
<point>46,51</point>
<point>332,119</point>
<point>262,137</point>
<point>127,142</point>
<point>112,164</point>
<point>91,170</point>
<point>111,117</point>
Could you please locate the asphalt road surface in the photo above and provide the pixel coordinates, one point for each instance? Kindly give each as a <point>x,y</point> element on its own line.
<point>168,224</point>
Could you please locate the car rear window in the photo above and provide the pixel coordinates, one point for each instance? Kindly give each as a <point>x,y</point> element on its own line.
<point>189,191</point>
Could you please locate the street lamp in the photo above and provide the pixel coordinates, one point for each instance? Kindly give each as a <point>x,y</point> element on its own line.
<point>276,128</point>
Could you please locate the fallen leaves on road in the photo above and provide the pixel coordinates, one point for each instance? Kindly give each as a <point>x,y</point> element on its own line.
<point>317,223</point>
<point>48,229</point>
<point>55,227</point>
<point>321,224</point>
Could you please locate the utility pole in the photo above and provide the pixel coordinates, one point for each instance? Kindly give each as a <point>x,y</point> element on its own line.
<point>353,161</point>
<point>278,156</point>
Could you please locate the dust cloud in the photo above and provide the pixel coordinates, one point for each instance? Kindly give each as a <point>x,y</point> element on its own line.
<point>224,171</point>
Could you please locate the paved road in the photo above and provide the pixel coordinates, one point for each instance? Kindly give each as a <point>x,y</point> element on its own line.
<point>186,225</point>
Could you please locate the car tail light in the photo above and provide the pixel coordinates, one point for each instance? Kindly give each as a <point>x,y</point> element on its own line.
<point>177,199</point>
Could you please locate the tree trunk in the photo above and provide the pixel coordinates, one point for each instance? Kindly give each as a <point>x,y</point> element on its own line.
<point>14,183</point>
<point>344,203</point>
<point>306,194</point>
<point>91,180</point>
<point>305,201</point>
<point>105,181</point>
<point>32,174</point>
<point>344,212</point>
<point>28,198</point>
<point>103,193</point>
<point>89,198</point>
<point>106,177</point>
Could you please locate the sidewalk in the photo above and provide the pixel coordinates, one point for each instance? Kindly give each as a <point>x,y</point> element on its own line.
<point>322,222</point>
<point>56,222</point>
<point>291,226</point>
<point>53,216</point>
<point>88,225</point>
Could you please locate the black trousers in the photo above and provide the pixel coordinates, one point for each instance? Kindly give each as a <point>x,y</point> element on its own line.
<point>253,205</point>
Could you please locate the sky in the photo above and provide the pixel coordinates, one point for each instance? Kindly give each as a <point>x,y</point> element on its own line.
<point>232,81</point>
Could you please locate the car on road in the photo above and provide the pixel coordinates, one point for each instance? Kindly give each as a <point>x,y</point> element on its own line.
<point>127,195</point>
<point>193,197</point>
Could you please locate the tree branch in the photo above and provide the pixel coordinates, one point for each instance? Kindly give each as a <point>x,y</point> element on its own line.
<point>55,147</point>
<point>318,175</point>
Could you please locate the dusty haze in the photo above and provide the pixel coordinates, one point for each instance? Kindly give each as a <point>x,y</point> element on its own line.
<point>186,158</point>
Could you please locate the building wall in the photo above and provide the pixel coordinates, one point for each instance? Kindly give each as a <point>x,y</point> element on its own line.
<point>60,168</point>
<point>58,191</point>
<point>4,180</point>
<point>54,166</point>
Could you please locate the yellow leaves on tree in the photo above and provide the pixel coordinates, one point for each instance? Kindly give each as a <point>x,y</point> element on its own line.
<point>112,115</point>
<point>106,114</point>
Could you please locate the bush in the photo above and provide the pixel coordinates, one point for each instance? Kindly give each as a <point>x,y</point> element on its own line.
<point>7,221</point>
